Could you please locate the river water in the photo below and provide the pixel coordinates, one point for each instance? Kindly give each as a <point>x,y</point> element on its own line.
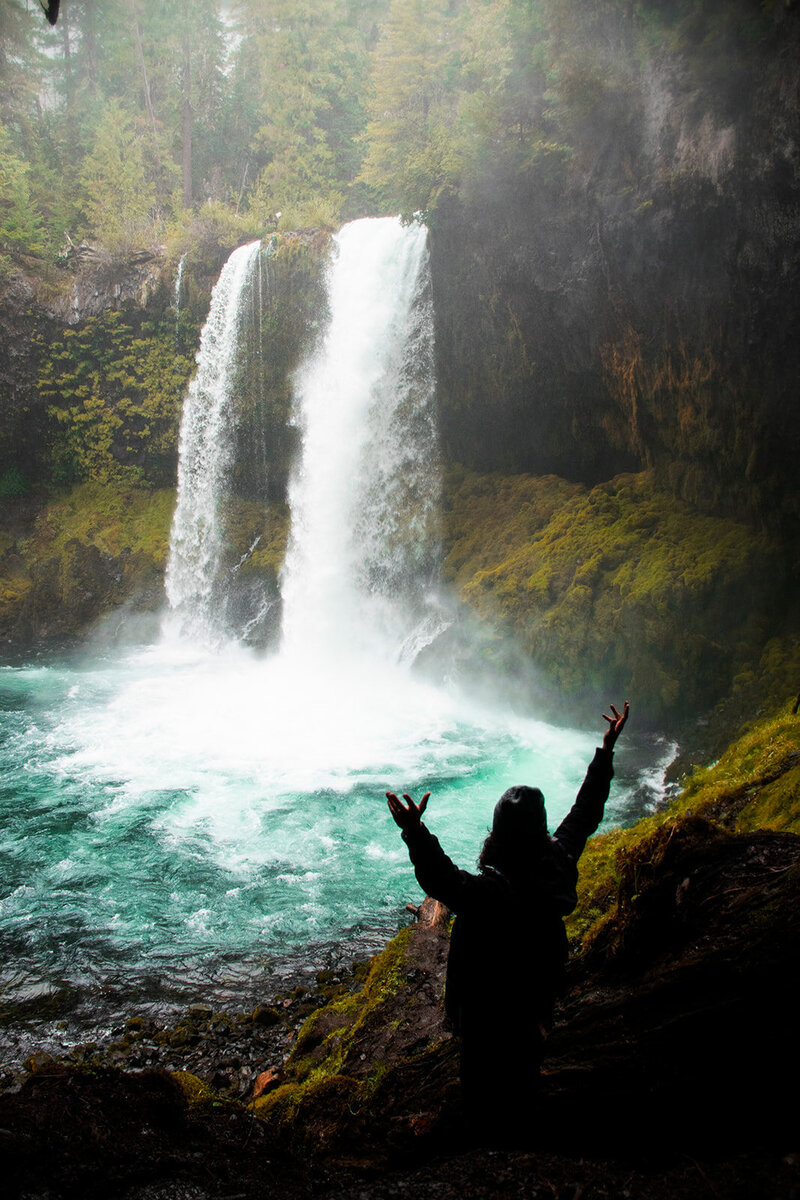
<point>193,820</point>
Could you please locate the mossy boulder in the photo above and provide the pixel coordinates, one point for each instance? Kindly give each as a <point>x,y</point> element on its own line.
<point>681,1024</point>
<point>754,785</point>
<point>93,550</point>
<point>618,587</point>
<point>373,1074</point>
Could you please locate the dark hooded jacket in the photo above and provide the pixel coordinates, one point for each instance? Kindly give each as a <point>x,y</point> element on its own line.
<point>508,946</point>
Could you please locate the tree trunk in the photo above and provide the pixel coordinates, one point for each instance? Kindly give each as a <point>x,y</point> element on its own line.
<point>187,124</point>
<point>137,35</point>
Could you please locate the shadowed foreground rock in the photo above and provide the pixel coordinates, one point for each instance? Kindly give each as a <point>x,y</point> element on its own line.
<point>680,1030</point>
<point>671,1072</point>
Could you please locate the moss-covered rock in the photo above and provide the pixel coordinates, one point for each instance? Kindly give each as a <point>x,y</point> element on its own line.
<point>755,785</point>
<point>97,548</point>
<point>619,587</point>
<point>373,1074</point>
<point>196,1092</point>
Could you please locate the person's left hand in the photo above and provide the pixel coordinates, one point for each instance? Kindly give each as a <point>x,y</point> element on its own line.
<point>616,724</point>
<point>407,816</point>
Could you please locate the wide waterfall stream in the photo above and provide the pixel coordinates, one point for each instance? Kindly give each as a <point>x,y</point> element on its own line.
<point>195,820</point>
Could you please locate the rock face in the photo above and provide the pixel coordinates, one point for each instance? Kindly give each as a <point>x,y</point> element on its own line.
<point>632,304</point>
<point>23,324</point>
<point>680,1023</point>
<point>102,283</point>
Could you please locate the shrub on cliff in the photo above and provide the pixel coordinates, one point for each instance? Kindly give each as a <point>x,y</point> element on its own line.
<point>114,388</point>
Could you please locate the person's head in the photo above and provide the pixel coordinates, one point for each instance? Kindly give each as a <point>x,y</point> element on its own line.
<point>519,827</point>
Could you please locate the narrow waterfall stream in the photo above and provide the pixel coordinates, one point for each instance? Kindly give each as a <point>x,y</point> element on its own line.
<point>190,818</point>
<point>205,457</point>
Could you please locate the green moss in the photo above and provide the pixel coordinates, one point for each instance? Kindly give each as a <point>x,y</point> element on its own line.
<point>15,583</point>
<point>309,1117</point>
<point>110,516</point>
<point>249,524</point>
<point>326,1037</point>
<point>320,1100</point>
<point>196,1092</point>
<point>619,587</point>
<point>755,785</point>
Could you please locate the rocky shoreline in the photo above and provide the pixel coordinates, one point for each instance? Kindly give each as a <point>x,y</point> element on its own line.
<point>669,1071</point>
<point>227,1050</point>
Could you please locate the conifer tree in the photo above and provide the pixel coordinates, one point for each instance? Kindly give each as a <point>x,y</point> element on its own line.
<point>20,226</point>
<point>120,200</point>
<point>411,137</point>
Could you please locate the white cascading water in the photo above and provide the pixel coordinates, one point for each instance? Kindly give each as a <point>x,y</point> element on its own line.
<point>205,452</point>
<point>363,552</point>
<point>179,287</point>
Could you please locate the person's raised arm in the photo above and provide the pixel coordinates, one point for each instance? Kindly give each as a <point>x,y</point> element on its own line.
<point>436,874</point>
<point>587,812</point>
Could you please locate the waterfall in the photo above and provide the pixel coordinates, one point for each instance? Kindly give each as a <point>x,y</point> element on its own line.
<point>178,288</point>
<point>193,580</point>
<point>363,554</point>
<point>363,548</point>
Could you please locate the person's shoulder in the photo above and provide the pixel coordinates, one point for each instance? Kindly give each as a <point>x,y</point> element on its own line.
<point>560,855</point>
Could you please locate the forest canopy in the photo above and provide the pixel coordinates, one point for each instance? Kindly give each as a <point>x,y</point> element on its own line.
<point>120,122</point>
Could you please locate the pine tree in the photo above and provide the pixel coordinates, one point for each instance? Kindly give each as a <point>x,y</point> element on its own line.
<point>412,140</point>
<point>20,226</point>
<point>120,200</point>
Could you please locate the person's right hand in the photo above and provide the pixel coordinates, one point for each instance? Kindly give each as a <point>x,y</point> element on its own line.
<point>407,816</point>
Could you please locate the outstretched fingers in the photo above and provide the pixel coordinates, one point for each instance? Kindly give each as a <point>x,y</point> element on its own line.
<point>409,814</point>
<point>615,723</point>
<point>423,804</point>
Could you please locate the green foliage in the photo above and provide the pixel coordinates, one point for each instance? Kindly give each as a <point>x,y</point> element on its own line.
<point>114,393</point>
<point>309,63</point>
<point>619,587</point>
<point>209,236</point>
<point>134,112</point>
<point>412,150</point>
<point>120,200</point>
<point>20,225</point>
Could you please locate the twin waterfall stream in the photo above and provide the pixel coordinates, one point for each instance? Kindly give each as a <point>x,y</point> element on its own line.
<point>363,550</point>
<point>197,819</point>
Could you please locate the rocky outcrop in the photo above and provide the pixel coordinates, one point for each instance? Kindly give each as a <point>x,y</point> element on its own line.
<point>103,282</point>
<point>629,301</point>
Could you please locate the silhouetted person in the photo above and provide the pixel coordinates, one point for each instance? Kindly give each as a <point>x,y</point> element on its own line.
<point>508,946</point>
